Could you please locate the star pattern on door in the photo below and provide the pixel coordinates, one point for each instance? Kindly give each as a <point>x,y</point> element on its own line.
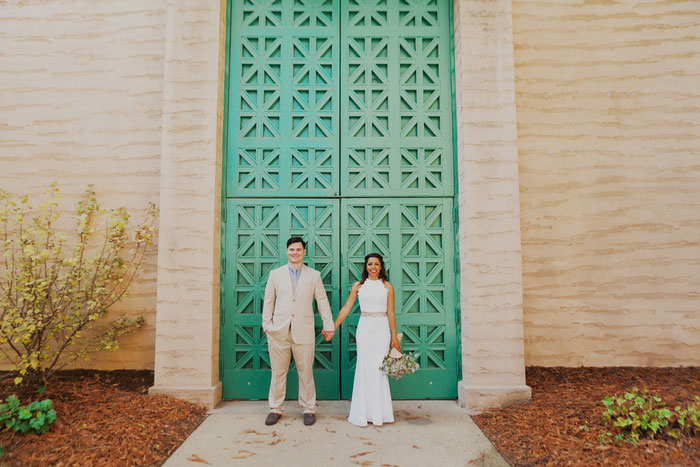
<point>312,169</point>
<point>313,13</point>
<point>427,344</point>
<point>368,230</point>
<point>258,169</point>
<point>423,259</point>
<point>368,168</point>
<point>312,92</point>
<point>368,97</point>
<point>262,13</point>
<point>420,90</point>
<point>259,111</point>
<point>363,13</point>
<point>422,168</point>
<point>415,238</point>
<point>397,100</point>
<point>250,349</point>
<point>341,135</point>
<point>418,13</point>
<point>256,254</point>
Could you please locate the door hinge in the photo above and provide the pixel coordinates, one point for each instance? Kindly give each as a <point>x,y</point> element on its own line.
<point>223,264</point>
<point>455,214</point>
<point>223,215</point>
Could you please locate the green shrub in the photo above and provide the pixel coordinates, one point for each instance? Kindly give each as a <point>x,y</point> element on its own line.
<point>36,417</point>
<point>638,415</point>
<point>645,415</point>
<point>54,287</point>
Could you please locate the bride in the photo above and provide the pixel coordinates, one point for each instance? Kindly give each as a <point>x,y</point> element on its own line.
<point>371,398</point>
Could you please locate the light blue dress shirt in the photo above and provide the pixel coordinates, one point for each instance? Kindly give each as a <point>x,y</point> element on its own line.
<point>294,273</point>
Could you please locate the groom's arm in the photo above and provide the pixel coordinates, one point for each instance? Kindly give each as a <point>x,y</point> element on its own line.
<point>268,303</point>
<point>324,308</point>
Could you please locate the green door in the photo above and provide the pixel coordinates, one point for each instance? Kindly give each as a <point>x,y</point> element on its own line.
<point>415,237</point>
<point>339,129</point>
<point>254,246</point>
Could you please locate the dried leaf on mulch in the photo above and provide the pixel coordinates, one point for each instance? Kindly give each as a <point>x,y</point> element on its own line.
<point>104,418</point>
<point>561,424</point>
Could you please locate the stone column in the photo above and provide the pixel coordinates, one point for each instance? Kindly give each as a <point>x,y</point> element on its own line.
<point>187,317</point>
<point>493,366</point>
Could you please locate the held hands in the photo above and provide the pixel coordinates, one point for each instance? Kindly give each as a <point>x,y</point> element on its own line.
<point>327,335</point>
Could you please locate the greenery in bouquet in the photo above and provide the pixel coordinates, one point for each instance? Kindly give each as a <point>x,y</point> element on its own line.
<point>398,367</point>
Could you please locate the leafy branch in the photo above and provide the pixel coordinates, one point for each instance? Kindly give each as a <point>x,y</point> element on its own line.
<point>54,288</point>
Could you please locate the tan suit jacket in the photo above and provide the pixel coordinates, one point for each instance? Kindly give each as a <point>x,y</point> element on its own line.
<point>288,311</point>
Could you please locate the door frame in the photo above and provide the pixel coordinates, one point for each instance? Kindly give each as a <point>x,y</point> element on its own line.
<point>188,285</point>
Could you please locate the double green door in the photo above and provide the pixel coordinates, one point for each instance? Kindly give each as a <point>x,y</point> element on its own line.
<point>340,130</point>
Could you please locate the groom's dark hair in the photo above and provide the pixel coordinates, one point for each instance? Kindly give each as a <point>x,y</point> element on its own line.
<point>296,240</point>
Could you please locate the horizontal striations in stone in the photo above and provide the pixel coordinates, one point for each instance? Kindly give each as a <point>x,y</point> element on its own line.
<point>481,357</point>
<point>81,104</point>
<point>488,182</point>
<point>188,272</point>
<point>608,114</point>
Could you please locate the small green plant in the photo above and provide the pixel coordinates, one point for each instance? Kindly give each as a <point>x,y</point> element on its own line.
<point>37,416</point>
<point>639,415</point>
<point>55,288</point>
<point>688,418</point>
<point>636,414</point>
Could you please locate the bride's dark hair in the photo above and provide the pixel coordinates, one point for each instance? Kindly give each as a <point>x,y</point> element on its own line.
<point>382,271</point>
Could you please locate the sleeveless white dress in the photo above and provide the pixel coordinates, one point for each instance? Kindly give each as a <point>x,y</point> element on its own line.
<point>371,396</point>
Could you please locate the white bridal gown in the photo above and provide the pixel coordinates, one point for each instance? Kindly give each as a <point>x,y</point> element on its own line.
<point>371,397</point>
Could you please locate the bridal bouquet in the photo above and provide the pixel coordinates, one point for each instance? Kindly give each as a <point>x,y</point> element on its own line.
<point>396,364</point>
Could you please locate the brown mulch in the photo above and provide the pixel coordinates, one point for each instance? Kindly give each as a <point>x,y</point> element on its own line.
<point>551,429</point>
<point>104,418</point>
<point>107,418</point>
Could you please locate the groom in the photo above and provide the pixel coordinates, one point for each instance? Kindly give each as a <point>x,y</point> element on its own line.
<point>288,321</point>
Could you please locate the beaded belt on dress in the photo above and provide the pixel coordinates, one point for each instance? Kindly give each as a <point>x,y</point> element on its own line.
<point>378,314</point>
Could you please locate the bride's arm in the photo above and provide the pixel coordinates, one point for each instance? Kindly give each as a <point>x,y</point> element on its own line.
<point>395,343</point>
<point>348,305</point>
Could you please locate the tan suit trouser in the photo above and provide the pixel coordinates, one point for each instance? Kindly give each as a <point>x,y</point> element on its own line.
<point>280,356</point>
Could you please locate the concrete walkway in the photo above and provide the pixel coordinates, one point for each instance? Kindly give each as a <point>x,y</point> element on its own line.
<point>425,433</point>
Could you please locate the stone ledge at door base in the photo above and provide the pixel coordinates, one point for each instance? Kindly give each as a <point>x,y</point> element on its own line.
<point>206,396</point>
<point>490,397</point>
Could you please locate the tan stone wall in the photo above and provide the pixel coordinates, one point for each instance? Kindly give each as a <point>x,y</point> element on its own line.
<point>80,102</point>
<point>493,371</point>
<point>608,110</point>
<point>187,337</point>
<point>608,139</point>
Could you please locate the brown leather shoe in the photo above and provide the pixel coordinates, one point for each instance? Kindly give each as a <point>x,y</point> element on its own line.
<point>309,419</point>
<point>272,418</point>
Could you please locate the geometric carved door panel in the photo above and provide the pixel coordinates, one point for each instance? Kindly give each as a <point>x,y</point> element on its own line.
<point>258,231</point>
<point>284,109</point>
<point>416,239</point>
<point>396,122</point>
<point>339,128</point>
